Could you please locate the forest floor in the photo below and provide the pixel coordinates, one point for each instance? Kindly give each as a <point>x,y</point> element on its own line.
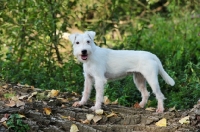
<point>52,111</point>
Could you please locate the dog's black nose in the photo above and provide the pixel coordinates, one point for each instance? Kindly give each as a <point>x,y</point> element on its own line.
<point>84,52</point>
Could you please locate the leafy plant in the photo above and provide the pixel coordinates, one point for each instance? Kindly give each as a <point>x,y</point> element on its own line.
<point>16,123</point>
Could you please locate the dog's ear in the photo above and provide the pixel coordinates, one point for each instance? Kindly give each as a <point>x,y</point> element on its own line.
<point>72,37</point>
<point>91,34</point>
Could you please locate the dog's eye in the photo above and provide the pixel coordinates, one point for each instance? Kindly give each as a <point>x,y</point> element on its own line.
<point>77,42</point>
<point>88,41</point>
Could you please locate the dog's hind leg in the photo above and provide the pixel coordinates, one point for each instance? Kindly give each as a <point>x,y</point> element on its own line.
<point>140,83</point>
<point>153,82</point>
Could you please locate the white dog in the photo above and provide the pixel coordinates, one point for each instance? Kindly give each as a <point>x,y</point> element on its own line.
<point>101,64</point>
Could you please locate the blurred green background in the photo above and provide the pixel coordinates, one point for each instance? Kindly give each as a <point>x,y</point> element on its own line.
<point>35,50</point>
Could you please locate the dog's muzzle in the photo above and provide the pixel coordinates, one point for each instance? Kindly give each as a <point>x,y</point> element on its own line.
<point>84,55</point>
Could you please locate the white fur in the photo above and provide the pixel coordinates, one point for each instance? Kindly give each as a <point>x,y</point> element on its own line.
<point>103,64</point>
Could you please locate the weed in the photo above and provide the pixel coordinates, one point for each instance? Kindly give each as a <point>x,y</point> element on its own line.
<point>16,123</point>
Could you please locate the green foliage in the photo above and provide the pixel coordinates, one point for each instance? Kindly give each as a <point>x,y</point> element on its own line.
<point>33,51</point>
<point>16,123</point>
<point>9,95</point>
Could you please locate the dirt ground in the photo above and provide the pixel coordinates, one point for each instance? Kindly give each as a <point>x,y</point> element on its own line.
<point>52,111</point>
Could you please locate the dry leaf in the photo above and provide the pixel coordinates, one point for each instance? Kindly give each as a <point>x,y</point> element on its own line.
<point>74,93</point>
<point>97,118</point>
<point>22,116</point>
<point>136,105</point>
<point>71,118</point>
<point>63,100</point>
<point>162,123</point>
<point>30,100</point>
<point>3,119</point>
<point>185,120</point>
<point>4,124</point>
<point>64,117</point>
<point>15,98</point>
<point>99,111</point>
<point>34,93</point>
<point>90,117</point>
<point>172,109</point>
<point>22,97</point>
<point>115,102</point>
<point>106,100</point>
<point>111,114</point>
<point>74,128</point>
<point>151,109</point>
<point>5,86</point>
<point>54,93</point>
<point>47,111</point>
<point>11,104</point>
<point>85,121</point>
<point>19,103</point>
<point>67,117</point>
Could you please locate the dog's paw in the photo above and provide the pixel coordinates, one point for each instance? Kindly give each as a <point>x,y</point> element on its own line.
<point>160,110</point>
<point>141,104</point>
<point>93,108</point>
<point>76,104</point>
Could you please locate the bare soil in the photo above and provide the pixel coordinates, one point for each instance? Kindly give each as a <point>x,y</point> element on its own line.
<point>63,115</point>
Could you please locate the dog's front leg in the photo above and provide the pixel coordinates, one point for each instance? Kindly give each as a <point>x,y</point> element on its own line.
<point>99,86</point>
<point>86,91</point>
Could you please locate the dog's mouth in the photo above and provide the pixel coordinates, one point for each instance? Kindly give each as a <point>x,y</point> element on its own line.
<point>84,57</point>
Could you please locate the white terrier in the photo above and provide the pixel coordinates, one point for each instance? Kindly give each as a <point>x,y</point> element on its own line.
<point>101,64</point>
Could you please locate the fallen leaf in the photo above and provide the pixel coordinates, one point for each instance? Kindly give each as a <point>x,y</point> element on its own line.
<point>71,118</point>
<point>172,109</point>
<point>3,119</point>
<point>106,100</point>
<point>136,105</point>
<point>63,100</point>
<point>47,111</point>
<point>34,93</point>
<point>54,93</point>
<point>99,111</point>
<point>5,86</point>
<point>30,100</point>
<point>74,128</point>
<point>4,124</point>
<point>97,118</point>
<point>89,117</point>
<point>19,103</point>
<point>150,109</point>
<point>15,98</point>
<point>185,120</point>
<point>115,102</point>
<point>162,123</point>
<point>111,114</point>
<point>22,116</point>
<point>11,104</point>
<point>85,121</point>
<point>74,93</point>
<point>22,97</point>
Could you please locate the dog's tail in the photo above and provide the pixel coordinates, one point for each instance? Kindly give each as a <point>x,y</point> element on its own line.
<point>164,74</point>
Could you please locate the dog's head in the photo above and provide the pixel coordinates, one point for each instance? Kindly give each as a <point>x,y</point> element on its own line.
<point>83,45</point>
